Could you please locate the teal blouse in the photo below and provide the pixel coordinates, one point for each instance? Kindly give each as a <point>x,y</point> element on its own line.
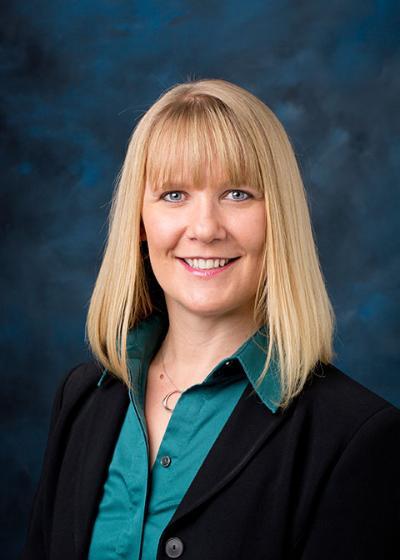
<point>138,502</point>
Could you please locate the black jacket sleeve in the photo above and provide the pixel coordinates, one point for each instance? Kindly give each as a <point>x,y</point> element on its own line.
<point>358,514</point>
<point>35,547</point>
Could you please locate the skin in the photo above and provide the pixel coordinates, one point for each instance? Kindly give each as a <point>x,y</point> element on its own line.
<point>210,315</point>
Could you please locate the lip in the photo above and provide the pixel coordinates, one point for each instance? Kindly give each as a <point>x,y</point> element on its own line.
<point>206,273</point>
<point>206,258</point>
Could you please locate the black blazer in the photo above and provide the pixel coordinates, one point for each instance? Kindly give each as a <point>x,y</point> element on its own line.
<point>319,481</point>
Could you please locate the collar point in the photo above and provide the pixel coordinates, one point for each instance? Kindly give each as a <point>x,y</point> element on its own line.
<point>102,378</point>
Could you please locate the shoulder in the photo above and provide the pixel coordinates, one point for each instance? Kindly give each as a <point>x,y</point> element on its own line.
<point>78,382</point>
<point>335,389</point>
<point>348,438</point>
<point>80,378</point>
<point>341,406</point>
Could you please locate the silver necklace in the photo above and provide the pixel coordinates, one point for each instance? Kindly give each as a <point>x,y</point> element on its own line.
<point>177,390</point>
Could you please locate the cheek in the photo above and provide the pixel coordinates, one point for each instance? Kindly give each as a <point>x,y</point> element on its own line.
<point>252,233</point>
<point>161,231</point>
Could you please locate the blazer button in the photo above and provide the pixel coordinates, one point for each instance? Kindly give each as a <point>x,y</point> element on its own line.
<point>174,547</point>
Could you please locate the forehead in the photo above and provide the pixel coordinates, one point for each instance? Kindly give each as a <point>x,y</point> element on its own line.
<point>183,150</point>
<point>182,171</point>
<point>216,179</point>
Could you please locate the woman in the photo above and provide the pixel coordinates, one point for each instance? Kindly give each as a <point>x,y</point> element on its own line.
<point>212,424</point>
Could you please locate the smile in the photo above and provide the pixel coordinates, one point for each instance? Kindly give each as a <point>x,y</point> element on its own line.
<point>207,268</point>
<point>207,264</point>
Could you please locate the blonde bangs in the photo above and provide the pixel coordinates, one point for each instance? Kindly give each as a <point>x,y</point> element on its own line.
<point>196,137</point>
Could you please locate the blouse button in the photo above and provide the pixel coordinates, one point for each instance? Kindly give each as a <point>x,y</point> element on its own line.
<point>165,461</point>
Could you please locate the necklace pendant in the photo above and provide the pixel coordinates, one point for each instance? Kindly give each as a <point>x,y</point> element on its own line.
<point>165,400</point>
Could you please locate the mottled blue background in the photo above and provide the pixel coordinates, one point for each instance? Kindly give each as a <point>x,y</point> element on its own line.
<point>75,77</point>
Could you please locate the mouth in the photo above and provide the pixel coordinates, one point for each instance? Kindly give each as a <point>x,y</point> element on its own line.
<point>208,264</point>
<point>207,268</point>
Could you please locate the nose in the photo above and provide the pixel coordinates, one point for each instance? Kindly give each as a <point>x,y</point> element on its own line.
<point>206,222</point>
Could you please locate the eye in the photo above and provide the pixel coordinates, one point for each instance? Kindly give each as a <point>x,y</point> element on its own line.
<point>238,195</point>
<point>173,196</point>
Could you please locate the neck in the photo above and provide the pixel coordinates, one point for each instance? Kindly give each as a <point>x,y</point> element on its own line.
<point>194,345</point>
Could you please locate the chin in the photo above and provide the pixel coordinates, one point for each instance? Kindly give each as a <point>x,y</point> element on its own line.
<point>207,309</point>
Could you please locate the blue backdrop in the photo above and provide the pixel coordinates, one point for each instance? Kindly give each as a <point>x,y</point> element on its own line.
<point>77,75</point>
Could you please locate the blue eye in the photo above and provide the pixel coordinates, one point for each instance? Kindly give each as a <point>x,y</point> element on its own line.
<point>239,195</point>
<point>178,196</point>
<point>173,196</point>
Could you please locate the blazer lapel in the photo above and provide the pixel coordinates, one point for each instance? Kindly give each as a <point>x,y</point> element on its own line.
<point>247,429</point>
<point>106,415</point>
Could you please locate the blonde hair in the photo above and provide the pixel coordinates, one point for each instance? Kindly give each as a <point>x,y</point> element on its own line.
<point>191,127</point>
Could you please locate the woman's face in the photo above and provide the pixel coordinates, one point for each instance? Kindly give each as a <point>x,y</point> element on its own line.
<point>206,245</point>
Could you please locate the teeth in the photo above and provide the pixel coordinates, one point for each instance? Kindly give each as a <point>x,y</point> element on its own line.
<point>206,264</point>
